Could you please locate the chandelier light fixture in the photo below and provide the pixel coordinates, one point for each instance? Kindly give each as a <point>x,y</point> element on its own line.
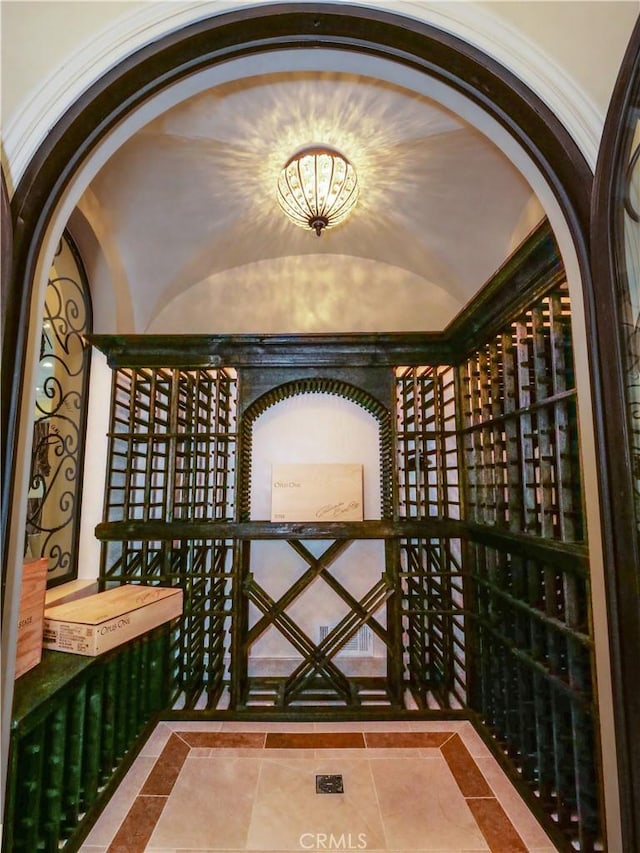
<point>317,188</point>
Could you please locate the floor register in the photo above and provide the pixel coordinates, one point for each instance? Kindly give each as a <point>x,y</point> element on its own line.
<point>97,623</point>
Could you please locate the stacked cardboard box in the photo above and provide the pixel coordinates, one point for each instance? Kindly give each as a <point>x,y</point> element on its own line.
<point>32,593</point>
<point>96,623</point>
<point>70,591</point>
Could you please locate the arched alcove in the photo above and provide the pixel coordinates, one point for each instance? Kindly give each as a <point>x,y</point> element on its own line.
<point>319,428</point>
<point>374,508</point>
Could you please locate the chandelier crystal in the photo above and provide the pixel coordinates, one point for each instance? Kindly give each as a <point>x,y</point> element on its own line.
<point>317,188</point>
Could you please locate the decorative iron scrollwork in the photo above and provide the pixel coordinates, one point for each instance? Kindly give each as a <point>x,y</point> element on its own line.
<point>59,418</point>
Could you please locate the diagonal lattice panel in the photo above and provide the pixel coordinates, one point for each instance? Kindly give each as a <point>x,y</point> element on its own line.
<point>300,679</point>
<point>317,659</point>
<point>344,594</point>
<point>323,665</point>
<point>316,567</point>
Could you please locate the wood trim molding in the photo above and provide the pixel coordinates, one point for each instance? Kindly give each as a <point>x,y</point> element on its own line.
<point>530,273</point>
<point>319,350</point>
<point>621,540</point>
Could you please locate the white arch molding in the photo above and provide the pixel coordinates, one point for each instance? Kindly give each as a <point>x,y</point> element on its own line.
<point>474,26</point>
<point>26,131</point>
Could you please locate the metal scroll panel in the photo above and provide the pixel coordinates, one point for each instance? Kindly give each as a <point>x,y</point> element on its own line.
<point>53,507</point>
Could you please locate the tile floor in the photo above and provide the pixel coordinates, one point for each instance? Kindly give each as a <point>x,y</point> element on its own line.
<point>224,786</point>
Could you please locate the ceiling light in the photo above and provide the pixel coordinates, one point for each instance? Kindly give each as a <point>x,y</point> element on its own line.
<point>317,188</point>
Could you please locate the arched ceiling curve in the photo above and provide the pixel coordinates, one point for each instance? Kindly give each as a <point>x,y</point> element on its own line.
<point>188,205</point>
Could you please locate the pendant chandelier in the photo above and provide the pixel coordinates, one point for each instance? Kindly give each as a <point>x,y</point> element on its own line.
<point>317,188</point>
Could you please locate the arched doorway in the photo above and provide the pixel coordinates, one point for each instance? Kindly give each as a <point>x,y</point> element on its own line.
<point>532,126</point>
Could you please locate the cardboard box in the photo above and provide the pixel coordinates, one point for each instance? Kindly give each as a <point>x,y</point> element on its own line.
<point>30,619</point>
<point>316,492</point>
<point>97,623</point>
<point>70,591</point>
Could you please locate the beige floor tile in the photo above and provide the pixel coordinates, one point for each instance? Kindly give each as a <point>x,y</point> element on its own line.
<point>517,811</point>
<point>340,753</point>
<point>297,754</point>
<point>284,758</point>
<point>259,726</point>
<point>225,752</point>
<point>429,753</point>
<point>269,801</point>
<point>205,752</point>
<point>437,725</point>
<point>168,850</point>
<point>363,726</point>
<point>474,743</point>
<point>288,814</point>
<point>547,849</point>
<point>118,806</point>
<point>193,725</point>
<point>400,752</point>
<point>422,807</point>
<point>209,806</point>
<point>156,741</point>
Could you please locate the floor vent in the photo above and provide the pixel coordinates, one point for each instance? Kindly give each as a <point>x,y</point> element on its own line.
<point>329,784</point>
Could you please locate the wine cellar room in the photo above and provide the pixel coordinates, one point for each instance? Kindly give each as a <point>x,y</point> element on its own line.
<point>339,251</point>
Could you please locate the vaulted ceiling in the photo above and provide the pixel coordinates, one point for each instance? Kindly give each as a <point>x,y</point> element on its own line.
<point>186,218</point>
